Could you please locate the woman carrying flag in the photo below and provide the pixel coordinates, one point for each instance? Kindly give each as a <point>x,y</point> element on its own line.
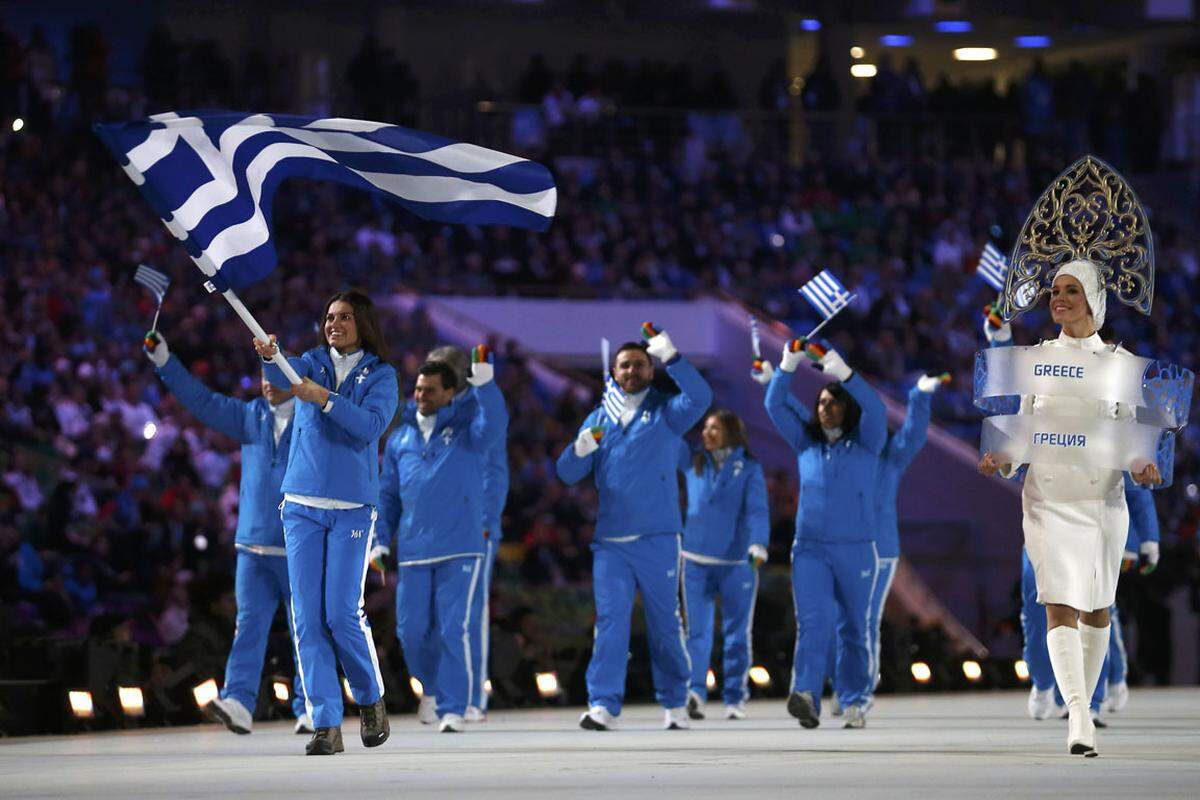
<point>725,540</point>
<point>348,397</point>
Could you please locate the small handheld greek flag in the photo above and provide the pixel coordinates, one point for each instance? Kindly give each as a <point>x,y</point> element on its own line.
<point>826,294</point>
<point>613,400</point>
<point>153,280</point>
<point>993,267</point>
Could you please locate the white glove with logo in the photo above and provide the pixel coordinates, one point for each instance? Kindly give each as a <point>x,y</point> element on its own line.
<point>758,555</point>
<point>379,552</point>
<point>792,358</point>
<point>661,347</point>
<point>483,368</point>
<point>155,347</point>
<point>833,365</point>
<point>586,443</point>
<point>762,373</point>
<point>1149,551</point>
<point>999,335</point>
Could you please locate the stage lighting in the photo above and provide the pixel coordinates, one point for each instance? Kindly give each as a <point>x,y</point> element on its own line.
<point>547,684</point>
<point>857,52</point>
<point>863,70</point>
<point>921,672</point>
<point>1029,42</point>
<point>132,702</point>
<point>205,692</point>
<point>282,691</point>
<point>896,40</point>
<point>975,54</point>
<point>17,125</point>
<point>710,680</point>
<point>81,704</point>
<point>200,542</point>
<point>1022,670</point>
<point>149,430</point>
<point>972,670</point>
<point>416,687</point>
<point>487,687</point>
<point>953,26</point>
<point>760,677</point>
<point>346,691</point>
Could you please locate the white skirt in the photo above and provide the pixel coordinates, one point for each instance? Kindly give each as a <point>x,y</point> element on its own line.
<point>1076,550</point>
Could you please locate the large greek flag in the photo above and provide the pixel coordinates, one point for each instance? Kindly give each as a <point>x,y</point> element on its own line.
<point>212,177</point>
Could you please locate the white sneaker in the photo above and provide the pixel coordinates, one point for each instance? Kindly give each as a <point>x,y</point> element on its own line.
<point>835,708</point>
<point>304,724</point>
<point>230,713</point>
<point>1041,702</point>
<point>427,710</point>
<point>737,711</point>
<point>676,719</point>
<point>452,723</point>
<point>475,714</point>
<point>1118,697</point>
<point>856,717</point>
<point>695,705</point>
<point>597,718</point>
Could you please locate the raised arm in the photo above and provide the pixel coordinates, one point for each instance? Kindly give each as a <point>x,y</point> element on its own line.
<point>368,421</point>
<point>695,396</point>
<point>756,513</point>
<point>684,462</point>
<point>489,426</point>
<point>909,440</point>
<point>789,417</point>
<point>220,412</point>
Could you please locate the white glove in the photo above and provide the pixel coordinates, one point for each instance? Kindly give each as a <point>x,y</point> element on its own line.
<point>758,554</point>
<point>481,373</point>
<point>790,360</point>
<point>379,552</point>
<point>661,347</point>
<point>928,383</point>
<point>159,354</point>
<point>585,443</point>
<point>1129,555</point>
<point>834,366</point>
<point>763,375</point>
<point>1000,335</point>
<point>1149,551</point>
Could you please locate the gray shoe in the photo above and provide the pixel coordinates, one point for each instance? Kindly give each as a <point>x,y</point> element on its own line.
<point>801,706</point>
<point>856,717</point>
<point>373,725</point>
<point>325,742</point>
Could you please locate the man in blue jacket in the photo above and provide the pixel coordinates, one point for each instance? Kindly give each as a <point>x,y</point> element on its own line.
<point>495,494</point>
<point>432,506</point>
<point>263,427</point>
<point>1142,542</point>
<point>632,460</point>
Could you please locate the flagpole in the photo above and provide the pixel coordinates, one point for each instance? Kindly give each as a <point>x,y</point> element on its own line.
<point>251,323</point>
<point>813,332</point>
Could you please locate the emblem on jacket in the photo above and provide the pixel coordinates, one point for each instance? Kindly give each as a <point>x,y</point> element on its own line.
<point>645,417</point>
<point>362,376</point>
<point>356,533</point>
<point>447,435</point>
<point>738,466</point>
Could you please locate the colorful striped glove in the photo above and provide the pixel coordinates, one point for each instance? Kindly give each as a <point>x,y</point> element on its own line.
<point>482,365</point>
<point>929,383</point>
<point>658,343</point>
<point>761,372</point>
<point>378,560</point>
<point>793,354</point>
<point>834,365</point>
<point>995,329</point>
<point>155,347</point>
<point>588,441</point>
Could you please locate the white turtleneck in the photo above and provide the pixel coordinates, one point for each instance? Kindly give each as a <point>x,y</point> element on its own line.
<point>719,455</point>
<point>425,425</point>
<point>283,415</point>
<point>632,403</point>
<point>342,364</point>
<point>832,434</point>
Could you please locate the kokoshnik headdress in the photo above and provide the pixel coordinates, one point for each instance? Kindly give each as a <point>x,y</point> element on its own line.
<point>1089,212</point>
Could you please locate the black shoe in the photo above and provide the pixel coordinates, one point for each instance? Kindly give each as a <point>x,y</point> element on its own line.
<point>800,705</point>
<point>373,724</point>
<point>693,706</point>
<point>325,742</point>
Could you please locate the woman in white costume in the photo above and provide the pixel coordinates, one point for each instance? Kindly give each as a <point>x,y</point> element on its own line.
<point>1075,518</point>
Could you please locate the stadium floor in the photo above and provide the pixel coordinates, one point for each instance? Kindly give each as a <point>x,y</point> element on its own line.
<point>937,745</point>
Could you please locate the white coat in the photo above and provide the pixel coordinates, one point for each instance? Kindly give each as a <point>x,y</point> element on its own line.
<point>1075,517</point>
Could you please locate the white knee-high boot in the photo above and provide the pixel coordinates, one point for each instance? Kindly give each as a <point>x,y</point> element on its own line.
<point>1095,643</point>
<point>1066,656</point>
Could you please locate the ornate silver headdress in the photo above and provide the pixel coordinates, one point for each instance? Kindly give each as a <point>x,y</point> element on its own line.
<point>1088,212</point>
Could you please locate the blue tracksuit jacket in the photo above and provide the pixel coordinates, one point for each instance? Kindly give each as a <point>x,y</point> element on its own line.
<point>431,501</point>
<point>634,469</point>
<point>348,436</point>
<point>251,424</point>
<point>836,480</point>
<point>897,455</point>
<point>726,510</point>
<point>495,489</point>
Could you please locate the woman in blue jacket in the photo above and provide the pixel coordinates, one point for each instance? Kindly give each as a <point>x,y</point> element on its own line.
<point>834,563</point>
<point>348,397</point>
<point>724,542</point>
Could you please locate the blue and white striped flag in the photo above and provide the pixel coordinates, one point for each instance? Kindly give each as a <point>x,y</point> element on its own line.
<point>613,400</point>
<point>826,294</point>
<point>153,280</point>
<point>212,177</point>
<point>993,267</point>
